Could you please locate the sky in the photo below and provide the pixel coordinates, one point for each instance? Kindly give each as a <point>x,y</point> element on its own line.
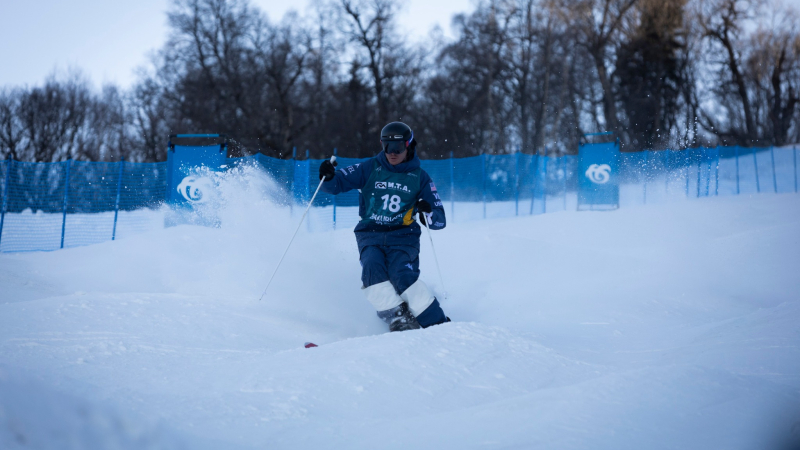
<point>108,40</point>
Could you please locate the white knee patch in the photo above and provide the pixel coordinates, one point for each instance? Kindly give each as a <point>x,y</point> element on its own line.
<point>382,296</point>
<point>418,297</point>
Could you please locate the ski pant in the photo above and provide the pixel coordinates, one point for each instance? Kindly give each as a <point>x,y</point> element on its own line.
<point>390,276</point>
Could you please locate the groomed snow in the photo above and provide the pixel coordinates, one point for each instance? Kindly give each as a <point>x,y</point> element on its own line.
<point>662,326</point>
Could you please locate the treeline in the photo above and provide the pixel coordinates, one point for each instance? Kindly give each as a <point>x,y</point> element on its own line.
<point>520,75</point>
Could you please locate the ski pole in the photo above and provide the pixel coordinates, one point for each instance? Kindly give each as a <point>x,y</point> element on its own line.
<point>441,280</point>
<point>333,159</point>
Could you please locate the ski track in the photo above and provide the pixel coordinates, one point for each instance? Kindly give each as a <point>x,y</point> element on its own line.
<point>668,326</point>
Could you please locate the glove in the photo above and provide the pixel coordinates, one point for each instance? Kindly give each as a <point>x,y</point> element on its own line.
<point>423,207</point>
<point>327,170</point>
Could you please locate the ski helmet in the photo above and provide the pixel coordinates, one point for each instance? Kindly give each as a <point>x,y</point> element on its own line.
<point>395,137</point>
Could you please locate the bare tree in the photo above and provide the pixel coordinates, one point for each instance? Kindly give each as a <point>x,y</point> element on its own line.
<point>204,67</point>
<point>107,135</point>
<point>539,57</point>
<point>53,117</point>
<point>323,67</point>
<point>12,137</point>
<point>756,95</point>
<point>468,102</point>
<point>519,74</point>
<point>599,23</point>
<point>65,119</point>
<point>773,68</point>
<point>282,52</point>
<point>722,23</point>
<point>524,32</point>
<point>149,117</point>
<point>370,27</point>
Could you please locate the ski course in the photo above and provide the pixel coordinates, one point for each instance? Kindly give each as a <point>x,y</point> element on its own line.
<point>665,326</point>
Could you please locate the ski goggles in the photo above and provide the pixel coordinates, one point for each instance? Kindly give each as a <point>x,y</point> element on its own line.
<point>393,146</point>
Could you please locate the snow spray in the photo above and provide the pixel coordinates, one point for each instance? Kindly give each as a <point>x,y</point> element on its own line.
<point>310,202</point>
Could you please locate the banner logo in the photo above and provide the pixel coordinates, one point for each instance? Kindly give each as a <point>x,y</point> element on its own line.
<point>192,189</point>
<point>599,173</point>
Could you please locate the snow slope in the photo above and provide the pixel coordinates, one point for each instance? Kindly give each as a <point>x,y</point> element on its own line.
<point>669,326</point>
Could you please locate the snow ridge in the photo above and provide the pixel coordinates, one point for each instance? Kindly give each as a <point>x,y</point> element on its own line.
<point>670,326</point>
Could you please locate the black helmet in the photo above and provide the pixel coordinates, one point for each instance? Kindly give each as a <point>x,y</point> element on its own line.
<point>396,137</point>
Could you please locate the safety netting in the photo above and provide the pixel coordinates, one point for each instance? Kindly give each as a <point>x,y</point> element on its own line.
<point>47,206</point>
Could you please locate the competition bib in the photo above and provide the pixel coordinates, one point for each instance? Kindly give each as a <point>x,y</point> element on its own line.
<point>390,197</point>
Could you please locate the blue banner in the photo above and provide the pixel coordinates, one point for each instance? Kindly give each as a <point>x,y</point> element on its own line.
<point>186,184</point>
<point>190,184</point>
<point>598,176</point>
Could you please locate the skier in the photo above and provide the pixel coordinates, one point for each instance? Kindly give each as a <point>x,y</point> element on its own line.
<point>393,189</point>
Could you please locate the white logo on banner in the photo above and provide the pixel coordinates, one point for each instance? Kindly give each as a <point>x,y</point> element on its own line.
<point>192,189</point>
<point>599,173</point>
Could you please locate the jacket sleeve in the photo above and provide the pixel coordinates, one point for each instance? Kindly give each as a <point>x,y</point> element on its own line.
<point>429,194</point>
<point>349,178</point>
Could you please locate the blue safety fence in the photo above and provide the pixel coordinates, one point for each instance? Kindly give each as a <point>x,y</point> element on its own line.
<point>47,206</point>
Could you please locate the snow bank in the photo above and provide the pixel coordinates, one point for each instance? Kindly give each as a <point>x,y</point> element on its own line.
<point>33,415</point>
<point>670,326</point>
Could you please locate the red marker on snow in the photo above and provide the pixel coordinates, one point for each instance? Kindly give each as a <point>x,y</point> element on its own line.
<point>311,344</point>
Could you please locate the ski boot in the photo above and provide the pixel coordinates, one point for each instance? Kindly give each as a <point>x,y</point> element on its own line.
<point>399,318</point>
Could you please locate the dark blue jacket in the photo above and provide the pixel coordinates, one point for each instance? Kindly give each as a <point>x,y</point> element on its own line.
<point>356,176</point>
